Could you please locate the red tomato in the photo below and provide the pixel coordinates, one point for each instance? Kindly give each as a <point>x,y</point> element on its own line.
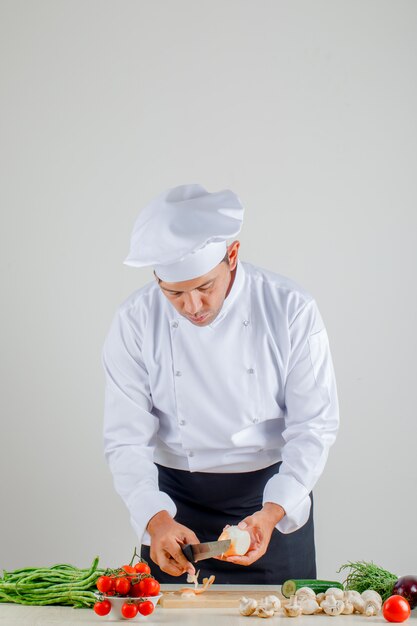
<point>135,590</point>
<point>129,570</point>
<point>104,584</point>
<point>146,607</point>
<point>142,568</point>
<point>149,587</point>
<point>102,608</point>
<point>396,609</point>
<point>122,586</point>
<point>129,610</point>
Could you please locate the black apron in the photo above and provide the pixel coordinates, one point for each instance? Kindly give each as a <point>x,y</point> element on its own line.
<point>206,502</point>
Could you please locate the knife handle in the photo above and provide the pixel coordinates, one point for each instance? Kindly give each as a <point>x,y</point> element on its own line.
<point>188,552</point>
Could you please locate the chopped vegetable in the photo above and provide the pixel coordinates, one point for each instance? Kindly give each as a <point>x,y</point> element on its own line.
<point>189,591</point>
<point>193,578</point>
<point>290,587</point>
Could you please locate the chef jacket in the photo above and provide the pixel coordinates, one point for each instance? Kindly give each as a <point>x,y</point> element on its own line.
<point>254,387</point>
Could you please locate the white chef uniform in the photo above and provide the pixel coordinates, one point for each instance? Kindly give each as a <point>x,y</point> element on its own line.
<point>255,387</point>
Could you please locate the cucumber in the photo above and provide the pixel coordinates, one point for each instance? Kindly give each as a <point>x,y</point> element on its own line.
<point>289,587</point>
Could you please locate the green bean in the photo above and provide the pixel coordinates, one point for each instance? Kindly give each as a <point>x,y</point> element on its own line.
<point>60,584</point>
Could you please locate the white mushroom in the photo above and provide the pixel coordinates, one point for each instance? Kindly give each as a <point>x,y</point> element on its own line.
<point>305,592</point>
<point>355,598</point>
<point>293,608</point>
<point>263,611</point>
<point>309,605</point>
<point>348,609</point>
<point>247,606</point>
<point>336,592</point>
<point>372,607</point>
<point>320,597</point>
<point>373,602</point>
<point>331,606</point>
<point>271,602</point>
<point>371,594</point>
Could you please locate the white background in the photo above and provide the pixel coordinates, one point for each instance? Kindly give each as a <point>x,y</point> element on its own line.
<point>307,110</point>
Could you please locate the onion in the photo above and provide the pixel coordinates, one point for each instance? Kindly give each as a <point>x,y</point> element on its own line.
<point>406,586</point>
<point>239,541</point>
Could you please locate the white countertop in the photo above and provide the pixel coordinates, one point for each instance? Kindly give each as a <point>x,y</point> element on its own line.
<point>18,615</point>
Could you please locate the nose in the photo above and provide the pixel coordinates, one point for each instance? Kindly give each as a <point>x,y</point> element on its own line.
<point>192,303</point>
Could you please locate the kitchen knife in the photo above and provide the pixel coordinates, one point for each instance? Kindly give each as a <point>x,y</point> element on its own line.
<point>198,551</point>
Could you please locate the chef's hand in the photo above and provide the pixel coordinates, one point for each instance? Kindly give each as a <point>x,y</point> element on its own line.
<point>166,537</point>
<point>260,526</point>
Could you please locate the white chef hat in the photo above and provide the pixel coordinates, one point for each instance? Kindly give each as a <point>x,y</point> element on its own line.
<point>182,233</point>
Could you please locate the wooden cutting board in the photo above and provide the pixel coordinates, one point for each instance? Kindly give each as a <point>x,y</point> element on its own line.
<point>213,599</point>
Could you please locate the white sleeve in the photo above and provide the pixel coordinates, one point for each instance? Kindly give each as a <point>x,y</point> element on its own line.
<point>311,418</point>
<point>130,428</point>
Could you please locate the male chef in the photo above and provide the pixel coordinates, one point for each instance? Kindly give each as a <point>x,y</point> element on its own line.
<point>221,402</point>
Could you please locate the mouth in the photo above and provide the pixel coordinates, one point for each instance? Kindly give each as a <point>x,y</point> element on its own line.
<point>198,319</point>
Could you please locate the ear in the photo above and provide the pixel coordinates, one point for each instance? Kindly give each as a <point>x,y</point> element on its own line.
<point>232,251</point>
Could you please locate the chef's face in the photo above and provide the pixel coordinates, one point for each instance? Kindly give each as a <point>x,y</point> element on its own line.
<point>200,300</point>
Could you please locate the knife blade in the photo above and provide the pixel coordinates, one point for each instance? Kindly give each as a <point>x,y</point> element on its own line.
<point>199,551</point>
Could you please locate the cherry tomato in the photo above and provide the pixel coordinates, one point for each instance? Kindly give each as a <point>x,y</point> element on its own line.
<point>142,568</point>
<point>135,590</point>
<point>146,607</point>
<point>129,570</point>
<point>129,610</point>
<point>150,587</point>
<point>122,586</point>
<point>104,584</point>
<point>145,587</point>
<point>102,608</point>
<point>396,609</point>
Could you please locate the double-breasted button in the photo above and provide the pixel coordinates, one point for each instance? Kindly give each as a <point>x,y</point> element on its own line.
<point>178,373</point>
<point>246,323</point>
<point>174,324</point>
